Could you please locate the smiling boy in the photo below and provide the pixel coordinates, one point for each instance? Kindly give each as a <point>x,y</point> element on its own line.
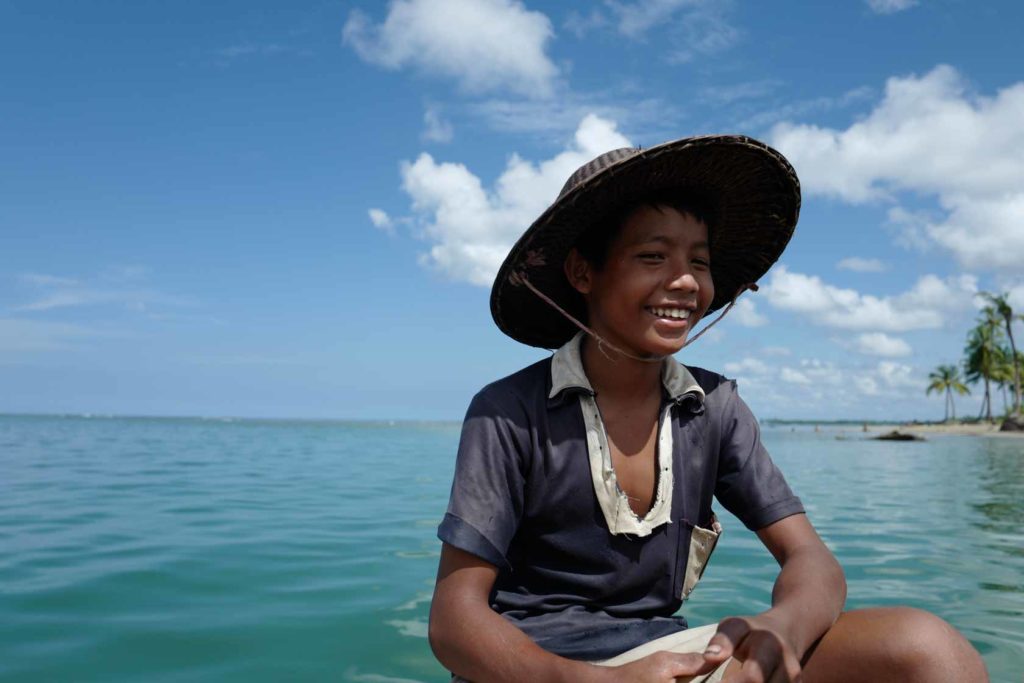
<point>580,514</point>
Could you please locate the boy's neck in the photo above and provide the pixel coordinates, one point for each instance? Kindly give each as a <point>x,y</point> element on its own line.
<point>617,376</point>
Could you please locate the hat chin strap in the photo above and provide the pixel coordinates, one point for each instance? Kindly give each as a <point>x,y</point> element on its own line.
<point>742,288</point>
<point>602,342</point>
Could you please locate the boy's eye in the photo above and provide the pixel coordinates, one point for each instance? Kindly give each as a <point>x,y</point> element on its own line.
<point>651,256</point>
<point>702,262</point>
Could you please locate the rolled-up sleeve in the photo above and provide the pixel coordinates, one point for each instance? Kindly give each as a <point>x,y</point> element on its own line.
<point>486,501</point>
<point>749,484</point>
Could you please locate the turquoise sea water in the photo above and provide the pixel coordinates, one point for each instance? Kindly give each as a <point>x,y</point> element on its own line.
<point>182,550</point>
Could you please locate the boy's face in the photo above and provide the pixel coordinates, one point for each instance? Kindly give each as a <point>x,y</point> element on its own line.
<point>655,285</point>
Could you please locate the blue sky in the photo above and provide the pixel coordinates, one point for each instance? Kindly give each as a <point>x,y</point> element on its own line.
<point>257,209</point>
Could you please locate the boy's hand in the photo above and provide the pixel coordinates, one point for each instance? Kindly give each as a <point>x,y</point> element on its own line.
<point>761,647</point>
<point>659,667</point>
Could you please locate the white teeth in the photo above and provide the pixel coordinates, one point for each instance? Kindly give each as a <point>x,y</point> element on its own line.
<point>677,313</point>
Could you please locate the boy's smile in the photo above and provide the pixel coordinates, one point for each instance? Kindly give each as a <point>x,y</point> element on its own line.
<point>655,284</point>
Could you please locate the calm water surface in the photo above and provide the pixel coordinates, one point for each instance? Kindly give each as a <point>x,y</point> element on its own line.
<point>183,550</point>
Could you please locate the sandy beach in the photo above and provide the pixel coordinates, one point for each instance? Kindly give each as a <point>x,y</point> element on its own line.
<point>964,429</point>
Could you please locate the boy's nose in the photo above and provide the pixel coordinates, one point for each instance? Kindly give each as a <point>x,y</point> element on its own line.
<point>684,281</point>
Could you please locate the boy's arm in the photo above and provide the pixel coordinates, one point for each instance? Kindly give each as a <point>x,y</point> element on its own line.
<point>473,641</point>
<point>807,599</point>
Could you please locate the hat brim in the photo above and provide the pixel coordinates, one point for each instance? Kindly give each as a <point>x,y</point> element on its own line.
<point>751,190</point>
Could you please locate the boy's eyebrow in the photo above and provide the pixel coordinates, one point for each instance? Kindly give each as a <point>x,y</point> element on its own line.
<point>703,244</point>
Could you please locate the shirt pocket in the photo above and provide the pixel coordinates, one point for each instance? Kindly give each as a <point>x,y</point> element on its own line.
<point>702,544</point>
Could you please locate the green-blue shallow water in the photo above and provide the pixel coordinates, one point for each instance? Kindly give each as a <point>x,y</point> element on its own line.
<point>181,550</point>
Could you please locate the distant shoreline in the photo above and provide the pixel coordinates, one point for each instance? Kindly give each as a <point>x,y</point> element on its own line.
<point>959,428</point>
<point>870,427</point>
<point>874,428</point>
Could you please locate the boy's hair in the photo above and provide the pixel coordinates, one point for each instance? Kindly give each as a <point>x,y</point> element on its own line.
<point>594,244</point>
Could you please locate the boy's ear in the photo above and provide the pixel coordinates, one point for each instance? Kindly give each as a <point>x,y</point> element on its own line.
<point>577,271</point>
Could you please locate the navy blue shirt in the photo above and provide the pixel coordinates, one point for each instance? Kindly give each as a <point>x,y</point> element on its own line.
<point>523,500</point>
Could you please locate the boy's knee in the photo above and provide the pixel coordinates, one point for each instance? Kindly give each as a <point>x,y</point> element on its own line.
<point>923,647</point>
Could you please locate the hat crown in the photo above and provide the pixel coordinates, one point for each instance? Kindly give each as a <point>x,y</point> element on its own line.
<point>595,166</point>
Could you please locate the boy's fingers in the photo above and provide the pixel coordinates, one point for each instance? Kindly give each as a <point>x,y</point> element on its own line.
<point>689,664</point>
<point>791,666</point>
<point>784,675</point>
<point>763,657</point>
<point>751,672</point>
<point>723,644</point>
<point>793,669</point>
<point>766,658</point>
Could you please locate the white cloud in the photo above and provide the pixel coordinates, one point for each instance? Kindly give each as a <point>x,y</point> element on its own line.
<point>984,231</point>
<point>792,376</point>
<point>435,128</point>
<point>702,26</point>
<point>471,227</point>
<point>753,374</point>
<point>861,265</point>
<point>1016,297</point>
<point>911,228</point>
<point>65,299</point>
<point>580,25</point>
<point>810,383</point>
<point>382,221</point>
<point>890,6</point>
<point>747,365</point>
<point>866,384</point>
<point>113,286</point>
<point>43,280</point>
<point>124,273</point>
<point>822,373</point>
<point>636,18</point>
<point>557,117</point>
<point>134,299</point>
<point>923,135</point>
<point>799,108</point>
<point>930,136</point>
<point>485,45</point>
<point>897,376</point>
<point>928,305</point>
<point>230,53</point>
<point>706,34</point>
<point>745,313</point>
<point>747,90</point>
<point>881,344</point>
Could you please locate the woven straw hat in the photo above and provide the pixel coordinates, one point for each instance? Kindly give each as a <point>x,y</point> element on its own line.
<point>751,191</point>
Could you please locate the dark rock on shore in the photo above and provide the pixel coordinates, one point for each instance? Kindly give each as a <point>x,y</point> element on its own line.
<point>1013,424</point>
<point>897,435</point>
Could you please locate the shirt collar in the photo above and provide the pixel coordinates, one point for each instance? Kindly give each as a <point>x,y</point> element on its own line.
<point>567,373</point>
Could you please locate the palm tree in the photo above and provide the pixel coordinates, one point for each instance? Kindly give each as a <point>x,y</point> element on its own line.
<point>1004,311</point>
<point>1003,376</point>
<point>1002,379</point>
<point>946,378</point>
<point>984,356</point>
<point>1018,372</point>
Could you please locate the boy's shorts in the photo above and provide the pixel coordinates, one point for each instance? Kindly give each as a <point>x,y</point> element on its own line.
<point>683,642</point>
